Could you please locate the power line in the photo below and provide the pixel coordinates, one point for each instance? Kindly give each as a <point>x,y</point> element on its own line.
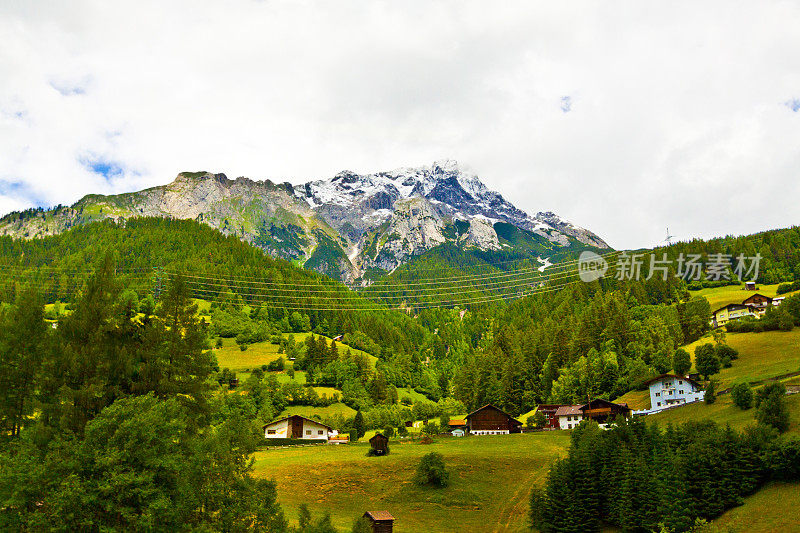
<point>225,283</point>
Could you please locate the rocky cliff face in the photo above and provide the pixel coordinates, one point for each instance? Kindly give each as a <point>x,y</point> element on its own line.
<point>344,227</point>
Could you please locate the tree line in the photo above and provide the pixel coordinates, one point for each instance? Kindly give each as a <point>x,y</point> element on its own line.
<point>640,477</point>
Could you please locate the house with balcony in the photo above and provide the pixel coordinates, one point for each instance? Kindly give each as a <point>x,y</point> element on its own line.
<point>758,303</point>
<point>723,315</point>
<point>669,390</point>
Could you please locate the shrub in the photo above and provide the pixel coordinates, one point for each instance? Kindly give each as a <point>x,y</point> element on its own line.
<point>783,288</point>
<point>742,396</point>
<point>373,453</point>
<point>723,351</point>
<point>771,408</point>
<point>431,471</point>
<point>431,429</point>
<point>361,525</point>
<point>277,365</point>
<point>219,343</point>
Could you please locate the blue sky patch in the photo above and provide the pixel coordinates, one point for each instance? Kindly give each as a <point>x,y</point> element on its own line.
<point>22,191</point>
<point>793,104</point>
<point>107,168</point>
<point>566,104</point>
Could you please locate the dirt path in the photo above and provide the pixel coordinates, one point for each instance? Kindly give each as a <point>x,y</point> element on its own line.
<point>517,503</point>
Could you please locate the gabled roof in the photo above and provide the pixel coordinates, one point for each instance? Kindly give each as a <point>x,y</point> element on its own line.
<point>317,422</point>
<point>457,422</point>
<point>378,436</point>
<point>488,405</point>
<point>756,294</point>
<point>663,376</point>
<point>379,515</point>
<point>730,306</point>
<point>568,410</point>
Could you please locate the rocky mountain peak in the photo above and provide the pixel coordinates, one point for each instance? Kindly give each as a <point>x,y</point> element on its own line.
<point>342,226</point>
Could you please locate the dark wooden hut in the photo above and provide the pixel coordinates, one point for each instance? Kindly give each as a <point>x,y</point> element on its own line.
<point>380,444</point>
<point>381,521</point>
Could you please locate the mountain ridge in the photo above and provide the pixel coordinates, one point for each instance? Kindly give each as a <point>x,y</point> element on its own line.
<point>352,227</point>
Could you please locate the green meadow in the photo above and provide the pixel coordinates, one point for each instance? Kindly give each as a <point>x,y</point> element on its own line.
<point>723,412</point>
<point>769,510</point>
<point>761,356</point>
<point>490,481</point>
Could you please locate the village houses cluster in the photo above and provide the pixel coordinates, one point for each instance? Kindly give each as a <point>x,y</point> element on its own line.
<point>488,420</point>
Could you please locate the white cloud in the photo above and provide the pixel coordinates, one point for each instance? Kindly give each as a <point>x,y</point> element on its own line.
<point>684,117</point>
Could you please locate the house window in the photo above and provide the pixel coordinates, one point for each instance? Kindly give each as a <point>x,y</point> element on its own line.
<point>659,404</point>
<point>670,393</point>
<point>319,432</point>
<point>270,432</point>
<point>308,432</point>
<point>680,392</point>
<point>658,394</point>
<point>680,382</point>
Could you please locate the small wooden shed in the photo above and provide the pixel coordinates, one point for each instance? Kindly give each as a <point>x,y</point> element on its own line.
<point>380,444</point>
<point>381,521</point>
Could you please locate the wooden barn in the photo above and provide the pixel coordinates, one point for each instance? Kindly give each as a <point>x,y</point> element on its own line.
<point>489,420</point>
<point>297,427</point>
<point>380,444</point>
<point>602,411</point>
<point>381,521</point>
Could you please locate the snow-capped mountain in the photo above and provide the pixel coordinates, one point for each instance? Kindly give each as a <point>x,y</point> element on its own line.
<point>346,227</point>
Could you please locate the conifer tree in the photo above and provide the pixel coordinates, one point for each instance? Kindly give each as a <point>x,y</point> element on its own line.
<point>22,348</point>
<point>359,425</point>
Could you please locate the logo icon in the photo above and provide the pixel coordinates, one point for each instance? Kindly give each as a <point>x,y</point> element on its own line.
<point>591,266</point>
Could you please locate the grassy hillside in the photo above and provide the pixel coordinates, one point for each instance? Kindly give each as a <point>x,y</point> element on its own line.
<point>724,412</point>
<point>761,355</point>
<point>262,353</point>
<point>770,509</point>
<point>491,478</point>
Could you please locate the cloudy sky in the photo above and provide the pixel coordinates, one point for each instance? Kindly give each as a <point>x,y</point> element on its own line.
<point>624,118</point>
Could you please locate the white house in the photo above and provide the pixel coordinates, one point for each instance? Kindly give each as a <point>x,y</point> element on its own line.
<point>298,427</point>
<point>569,416</point>
<point>668,390</point>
